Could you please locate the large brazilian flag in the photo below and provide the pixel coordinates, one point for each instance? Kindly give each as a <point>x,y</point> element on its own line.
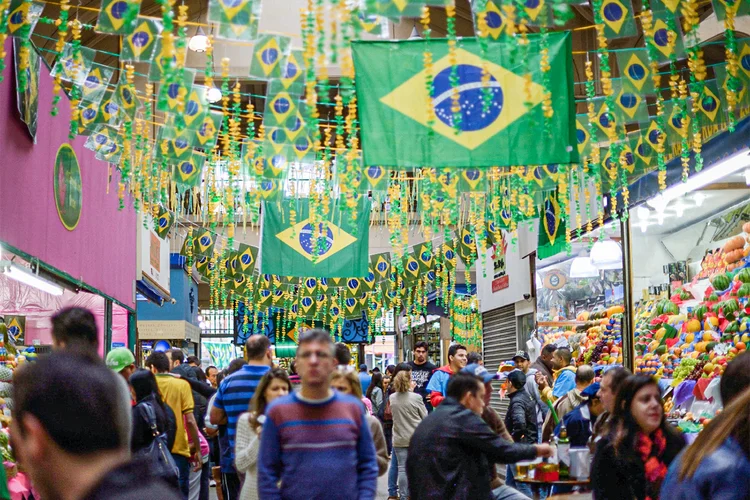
<point>393,96</point>
<point>334,248</point>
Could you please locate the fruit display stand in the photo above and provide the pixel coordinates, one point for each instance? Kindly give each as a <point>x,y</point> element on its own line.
<point>595,337</point>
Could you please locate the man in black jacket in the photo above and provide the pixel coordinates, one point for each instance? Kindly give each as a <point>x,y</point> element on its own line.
<point>521,416</point>
<point>450,451</point>
<point>73,437</point>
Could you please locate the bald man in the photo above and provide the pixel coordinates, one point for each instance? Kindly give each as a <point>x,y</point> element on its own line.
<point>566,404</point>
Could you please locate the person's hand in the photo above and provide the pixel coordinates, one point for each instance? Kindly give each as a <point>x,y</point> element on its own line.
<point>543,450</point>
<point>541,381</point>
<point>196,462</point>
<point>413,385</point>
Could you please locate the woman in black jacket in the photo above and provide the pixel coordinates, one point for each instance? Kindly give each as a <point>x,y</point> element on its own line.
<point>631,462</point>
<point>146,393</point>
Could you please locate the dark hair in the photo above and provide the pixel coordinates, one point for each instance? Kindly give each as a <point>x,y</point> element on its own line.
<point>736,378</point>
<point>199,373</point>
<point>220,376</point>
<point>194,360</point>
<point>235,365</point>
<point>422,345</point>
<point>177,354</point>
<point>256,347</point>
<point>343,354</point>
<point>390,369</point>
<point>461,383</point>
<point>401,367</point>
<point>616,376</point>
<point>258,404</point>
<point>452,350</point>
<point>584,374</point>
<point>293,367</point>
<point>317,335</point>
<point>549,349</point>
<point>517,379</point>
<point>564,354</point>
<point>624,426</point>
<point>144,385</point>
<point>76,328</point>
<point>158,360</point>
<point>377,381</point>
<point>81,418</point>
<point>209,368</point>
<point>473,358</point>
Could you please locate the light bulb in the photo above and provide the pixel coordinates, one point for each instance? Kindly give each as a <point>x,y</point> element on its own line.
<point>213,95</point>
<point>199,41</point>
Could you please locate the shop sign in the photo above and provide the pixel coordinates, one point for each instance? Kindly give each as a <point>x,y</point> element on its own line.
<point>500,278</point>
<point>554,280</point>
<point>67,187</point>
<point>168,330</point>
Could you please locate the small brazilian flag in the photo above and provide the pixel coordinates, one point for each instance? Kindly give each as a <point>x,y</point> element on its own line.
<point>118,17</point>
<point>22,18</point>
<point>268,54</point>
<point>467,246</point>
<point>334,248</point>
<point>491,128</point>
<point>164,222</point>
<point>188,172</point>
<point>203,242</point>
<point>552,228</point>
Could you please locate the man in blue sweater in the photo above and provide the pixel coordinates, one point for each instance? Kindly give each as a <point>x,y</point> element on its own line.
<point>316,443</point>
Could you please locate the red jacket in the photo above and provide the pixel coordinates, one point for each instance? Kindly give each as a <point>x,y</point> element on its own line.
<point>438,385</point>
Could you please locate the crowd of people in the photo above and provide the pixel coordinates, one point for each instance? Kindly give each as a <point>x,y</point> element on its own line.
<point>329,431</point>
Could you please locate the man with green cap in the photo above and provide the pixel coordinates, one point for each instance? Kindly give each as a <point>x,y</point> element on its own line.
<point>122,361</point>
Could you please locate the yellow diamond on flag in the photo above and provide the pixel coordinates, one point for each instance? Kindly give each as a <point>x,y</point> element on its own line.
<point>232,7</point>
<point>582,137</point>
<point>605,119</point>
<point>268,56</point>
<point>410,97</point>
<point>664,38</point>
<point>629,102</point>
<point>679,121</point>
<point>303,238</point>
<point>400,4</point>
<point>282,106</point>
<point>494,20</point>
<point>15,330</point>
<point>643,152</point>
<point>94,82</point>
<point>533,8</point>
<point>637,72</point>
<point>654,136</point>
<point>709,104</point>
<point>671,4</point>
<point>296,125</point>
<point>745,59</point>
<point>614,14</point>
<point>140,40</point>
<point>626,159</point>
<point>740,94</point>
<point>291,72</point>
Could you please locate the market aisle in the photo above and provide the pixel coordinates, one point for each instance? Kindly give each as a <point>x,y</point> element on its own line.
<point>382,489</point>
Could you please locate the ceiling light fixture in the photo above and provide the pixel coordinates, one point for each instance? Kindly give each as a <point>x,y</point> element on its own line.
<point>643,212</point>
<point>699,198</point>
<point>582,267</point>
<point>606,255</point>
<point>707,176</point>
<point>199,41</point>
<point>27,277</point>
<point>213,95</point>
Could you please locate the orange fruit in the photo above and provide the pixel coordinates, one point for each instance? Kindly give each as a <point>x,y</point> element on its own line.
<point>740,346</point>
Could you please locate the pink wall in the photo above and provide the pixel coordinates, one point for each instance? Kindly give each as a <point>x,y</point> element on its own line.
<point>101,251</point>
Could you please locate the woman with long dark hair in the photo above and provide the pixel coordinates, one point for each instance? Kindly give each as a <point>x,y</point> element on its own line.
<point>146,392</point>
<point>274,384</point>
<point>375,392</point>
<point>631,462</point>
<point>717,464</point>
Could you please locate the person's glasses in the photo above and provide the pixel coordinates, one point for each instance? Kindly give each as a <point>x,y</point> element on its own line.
<point>317,354</point>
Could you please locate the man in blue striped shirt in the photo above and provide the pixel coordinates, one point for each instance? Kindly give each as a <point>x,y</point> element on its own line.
<point>233,398</point>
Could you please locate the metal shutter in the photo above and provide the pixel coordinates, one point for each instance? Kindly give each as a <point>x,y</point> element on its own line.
<point>500,344</point>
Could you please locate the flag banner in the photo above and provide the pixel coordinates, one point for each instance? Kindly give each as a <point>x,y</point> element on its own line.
<point>204,266</point>
<point>741,93</point>
<point>118,17</point>
<point>643,152</point>
<point>241,32</point>
<point>293,72</point>
<point>22,18</point>
<point>109,111</point>
<point>269,189</point>
<point>467,246</point>
<point>156,72</point>
<point>164,222</point>
<point>618,18</point>
<point>74,66</point>
<point>634,66</point>
<point>552,228</point>
<point>88,115</point>
<point>16,327</point>
<point>448,249</point>
<point>425,257</point>
<point>336,248</point>
<point>394,9</point>
<point>583,136</point>
<point>372,24</point>
<point>247,256</point>
<point>631,106</point>
<point>102,138</point>
<point>188,172</point>
<point>381,265</point>
<point>740,8</point>
<point>126,97</point>
<point>390,87</point>
<point>606,119</point>
<point>140,45</point>
<point>281,105</point>
<point>96,83</point>
<point>240,17</point>
<point>28,99</point>
<point>710,104</point>
<point>269,52</point>
<point>204,241</point>
<point>667,40</point>
<point>176,92</point>
<point>678,122</point>
<point>493,17</point>
<point>196,107</point>
<point>544,177</point>
<point>208,131</point>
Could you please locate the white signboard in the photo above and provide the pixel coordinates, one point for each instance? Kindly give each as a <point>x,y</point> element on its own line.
<point>153,257</point>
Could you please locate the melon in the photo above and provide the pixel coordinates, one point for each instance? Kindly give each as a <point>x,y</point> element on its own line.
<point>744,290</point>
<point>743,275</point>
<point>721,282</point>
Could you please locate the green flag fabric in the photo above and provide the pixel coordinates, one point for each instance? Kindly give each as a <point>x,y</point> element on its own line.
<point>493,121</point>
<point>338,248</point>
<point>552,228</point>
<point>164,222</point>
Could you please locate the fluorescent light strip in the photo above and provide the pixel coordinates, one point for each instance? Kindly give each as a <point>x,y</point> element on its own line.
<point>18,273</point>
<point>708,176</point>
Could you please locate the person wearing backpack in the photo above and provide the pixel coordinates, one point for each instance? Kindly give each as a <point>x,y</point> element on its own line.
<point>375,392</point>
<point>148,412</point>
